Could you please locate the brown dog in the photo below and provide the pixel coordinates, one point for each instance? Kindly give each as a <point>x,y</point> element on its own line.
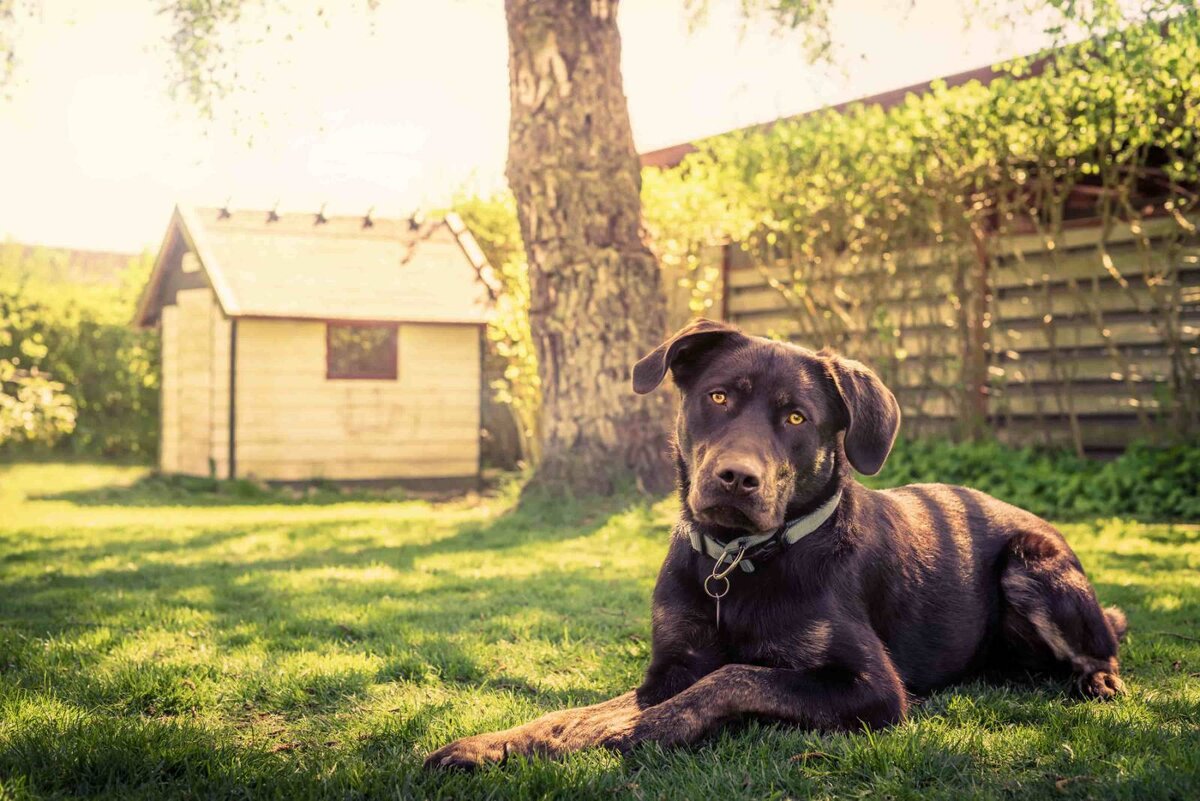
<point>792,592</point>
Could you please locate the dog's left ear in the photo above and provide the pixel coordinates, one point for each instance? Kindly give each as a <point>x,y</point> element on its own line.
<point>872,414</point>
<point>680,352</point>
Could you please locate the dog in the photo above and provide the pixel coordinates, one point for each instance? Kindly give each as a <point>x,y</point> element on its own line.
<point>792,592</point>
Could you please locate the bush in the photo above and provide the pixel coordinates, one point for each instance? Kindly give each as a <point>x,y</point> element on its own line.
<point>79,338</point>
<point>884,231</point>
<point>492,220</point>
<point>1159,483</point>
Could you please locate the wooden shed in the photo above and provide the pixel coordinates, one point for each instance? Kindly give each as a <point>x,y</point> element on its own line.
<point>298,347</point>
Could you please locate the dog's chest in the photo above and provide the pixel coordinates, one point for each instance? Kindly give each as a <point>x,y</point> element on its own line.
<point>772,628</point>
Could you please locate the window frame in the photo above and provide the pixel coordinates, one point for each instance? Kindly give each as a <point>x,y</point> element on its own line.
<point>393,342</point>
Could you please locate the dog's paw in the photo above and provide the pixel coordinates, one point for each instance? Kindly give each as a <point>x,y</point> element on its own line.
<point>1101,685</point>
<point>470,753</point>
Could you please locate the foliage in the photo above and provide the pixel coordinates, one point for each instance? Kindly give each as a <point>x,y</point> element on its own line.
<point>954,173</point>
<point>33,408</point>
<point>14,15</point>
<point>202,69</point>
<point>880,228</point>
<point>1144,482</point>
<point>682,223</point>
<point>290,651</point>
<point>492,220</point>
<point>808,18</point>
<point>81,337</point>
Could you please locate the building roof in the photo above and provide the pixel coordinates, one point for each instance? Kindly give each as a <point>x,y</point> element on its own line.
<point>672,155</point>
<point>309,266</point>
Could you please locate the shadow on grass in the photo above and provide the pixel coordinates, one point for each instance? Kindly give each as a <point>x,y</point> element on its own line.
<point>152,582</point>
<point>174,490</point>
<point>101,713</point>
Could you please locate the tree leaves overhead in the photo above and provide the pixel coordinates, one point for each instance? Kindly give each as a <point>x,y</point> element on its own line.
<point>207,37</point>
<point>202,71</point>
<point>807,18</point>
<point>12,15</point>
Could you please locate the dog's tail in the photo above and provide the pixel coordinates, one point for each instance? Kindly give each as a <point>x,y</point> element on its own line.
<point>1116,621</point>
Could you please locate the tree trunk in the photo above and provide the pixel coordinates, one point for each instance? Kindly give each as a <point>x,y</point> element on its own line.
<point>596,296</point>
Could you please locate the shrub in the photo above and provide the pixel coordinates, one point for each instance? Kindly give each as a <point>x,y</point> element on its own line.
<point>1159,483</point>
<point>885,232</point>
<point>78,339</point>
<point>492,220</point>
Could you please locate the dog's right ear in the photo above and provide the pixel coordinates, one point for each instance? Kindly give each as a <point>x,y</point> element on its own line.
<point>679,352</point>
<point>872,415</point>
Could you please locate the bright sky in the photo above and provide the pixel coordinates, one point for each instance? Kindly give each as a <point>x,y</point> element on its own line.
<point>394,108</point>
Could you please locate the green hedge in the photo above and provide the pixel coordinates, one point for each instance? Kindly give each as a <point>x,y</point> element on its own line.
<point>1145,482</point>
<point>80,336</point>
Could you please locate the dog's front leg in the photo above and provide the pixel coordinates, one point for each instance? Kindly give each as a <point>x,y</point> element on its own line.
<point>826,698</point>
<point>604,724</point>
<point>675,666</point>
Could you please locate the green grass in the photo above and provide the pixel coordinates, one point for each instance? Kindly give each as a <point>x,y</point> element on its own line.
<point>174,639</point>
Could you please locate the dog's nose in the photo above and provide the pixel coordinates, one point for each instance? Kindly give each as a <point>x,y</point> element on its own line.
<point>739,477</point>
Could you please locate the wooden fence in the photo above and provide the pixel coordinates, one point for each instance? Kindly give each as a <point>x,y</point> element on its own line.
<point>1090,341</point>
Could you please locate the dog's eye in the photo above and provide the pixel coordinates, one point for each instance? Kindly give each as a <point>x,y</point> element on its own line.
<point>718,398</point>
<point>795,418</point>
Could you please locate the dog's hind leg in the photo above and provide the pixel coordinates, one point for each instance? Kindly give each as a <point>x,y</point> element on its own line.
<point>1052,618</point>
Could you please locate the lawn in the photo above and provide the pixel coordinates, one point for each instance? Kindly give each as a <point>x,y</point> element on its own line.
<point>160,639</point>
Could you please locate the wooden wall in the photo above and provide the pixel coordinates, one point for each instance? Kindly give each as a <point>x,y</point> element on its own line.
<point>1074,350</point>
<point>195,386</point>
<point>294,424</point>
<point>168,405</point>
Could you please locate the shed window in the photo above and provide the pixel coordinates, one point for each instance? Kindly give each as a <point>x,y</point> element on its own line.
<point>365,350</point>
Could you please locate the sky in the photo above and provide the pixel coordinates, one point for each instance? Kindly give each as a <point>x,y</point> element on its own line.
<point>396,108</point>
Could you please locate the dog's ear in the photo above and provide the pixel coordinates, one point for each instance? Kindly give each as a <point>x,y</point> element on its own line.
<point>679,352</point>
<point>872,414</point>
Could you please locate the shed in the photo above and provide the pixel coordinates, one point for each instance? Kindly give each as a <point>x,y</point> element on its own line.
<point>298,347</point>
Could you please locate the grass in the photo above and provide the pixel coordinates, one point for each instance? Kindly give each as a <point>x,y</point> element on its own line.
<point>172,639</point>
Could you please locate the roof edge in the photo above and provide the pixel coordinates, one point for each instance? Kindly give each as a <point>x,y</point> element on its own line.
<point>193,233</point>
<point>150,289</point>
<point>672,155</point>
<point>183,224</point>
<point>325,318</point>
<point>470,248</point>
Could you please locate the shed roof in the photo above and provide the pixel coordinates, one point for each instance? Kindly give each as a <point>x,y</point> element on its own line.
<point>308,266</point>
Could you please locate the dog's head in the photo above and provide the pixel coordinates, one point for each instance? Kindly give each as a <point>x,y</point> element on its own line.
<point>764,426</point>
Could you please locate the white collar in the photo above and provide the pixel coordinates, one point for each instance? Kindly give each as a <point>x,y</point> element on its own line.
<point>790,532</point>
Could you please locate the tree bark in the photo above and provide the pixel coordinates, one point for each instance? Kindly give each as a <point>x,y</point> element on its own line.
<point>596,296</point>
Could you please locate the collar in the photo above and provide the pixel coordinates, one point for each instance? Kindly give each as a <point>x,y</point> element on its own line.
<point>787,534</point>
